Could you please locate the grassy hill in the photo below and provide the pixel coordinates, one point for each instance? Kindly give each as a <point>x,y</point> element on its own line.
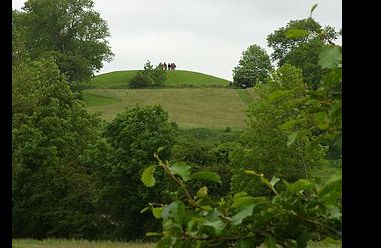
<point>190,107</point>
<point>178,78</point>
<point>191,99</point>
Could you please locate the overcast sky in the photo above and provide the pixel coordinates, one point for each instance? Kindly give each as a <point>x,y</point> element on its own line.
<point>207,36</point>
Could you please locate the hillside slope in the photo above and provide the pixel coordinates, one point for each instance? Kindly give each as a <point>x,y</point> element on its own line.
<point>190,108</point>
<point>177,78</point>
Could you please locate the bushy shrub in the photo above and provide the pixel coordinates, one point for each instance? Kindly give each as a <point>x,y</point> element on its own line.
<point>132,138</point>
<point>149,77</point>
<point>141,80</point>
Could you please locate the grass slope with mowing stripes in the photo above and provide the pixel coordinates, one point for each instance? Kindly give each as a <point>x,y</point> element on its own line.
<point>60,243</point>
<point>178,78</point>
<point>189,107</point>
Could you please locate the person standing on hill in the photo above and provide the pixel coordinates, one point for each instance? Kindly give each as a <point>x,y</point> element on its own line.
<point>173,66</point>
<point>169,66</point>
<point>165,66</point>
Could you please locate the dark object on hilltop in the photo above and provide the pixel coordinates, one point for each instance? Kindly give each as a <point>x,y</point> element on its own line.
<point>170,66</point>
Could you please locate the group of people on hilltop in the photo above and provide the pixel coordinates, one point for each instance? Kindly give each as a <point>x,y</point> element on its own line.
<point>169,66</point>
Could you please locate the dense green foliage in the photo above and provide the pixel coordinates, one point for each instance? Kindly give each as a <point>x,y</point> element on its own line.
<point>70,31</point>
<point>288,124</point>
<point>254,67</point>
<point>130,140</point>
<point>51,191</point>
<point>149,77</point>
<point>76,176</point>
<point>264,143</point>
<point>299,44</point>
<point>293,216</point>
<point>207,149</point>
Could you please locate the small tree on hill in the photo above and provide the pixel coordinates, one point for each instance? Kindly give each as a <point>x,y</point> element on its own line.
<point>149,77</point>
<point>254,66</point>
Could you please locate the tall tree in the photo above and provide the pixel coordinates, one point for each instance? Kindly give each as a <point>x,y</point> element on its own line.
<point>52,192</point>
<point>254,66</point>
<point>265,144</point>
<point>299,44</point>
<point>69,30</point>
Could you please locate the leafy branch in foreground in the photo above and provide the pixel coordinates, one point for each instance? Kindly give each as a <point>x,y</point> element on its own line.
<point>300,212</point>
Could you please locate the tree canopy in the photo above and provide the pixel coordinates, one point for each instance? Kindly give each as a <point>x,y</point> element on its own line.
<point>254,66</point>
<point>70,31</point>
<point>50,130</point>
<point>299,43</point>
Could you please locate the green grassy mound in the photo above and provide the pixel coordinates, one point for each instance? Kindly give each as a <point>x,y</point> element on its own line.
<point>178,78</point>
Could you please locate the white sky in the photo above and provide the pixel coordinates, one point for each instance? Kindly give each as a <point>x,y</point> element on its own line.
<point>207,36</point>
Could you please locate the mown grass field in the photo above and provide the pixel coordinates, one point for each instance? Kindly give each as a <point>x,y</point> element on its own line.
<point>60,243</point>
<point>178,78</point>
<point>189,107</point>
<point>57,243</point>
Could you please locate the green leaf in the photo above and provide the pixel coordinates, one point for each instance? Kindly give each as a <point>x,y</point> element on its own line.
<point>292,138</point>
<point>175,211</point>
<point>147,176</point>
<point>157,212</point>
<point>301,184</point>
<point>202,192</point>
<point>241,199</point>
<point>207,175</point>
<point>160,149</point>
<point>217,225</point>
<point>144,209</point>
<point>330,57</point>
<point>181,169</point>
<point>313,8</point>
<point>274,181</point>
<point>296,33</point>
<point>270,242</point>
<point>251,172</point>
<point>242,214</point>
